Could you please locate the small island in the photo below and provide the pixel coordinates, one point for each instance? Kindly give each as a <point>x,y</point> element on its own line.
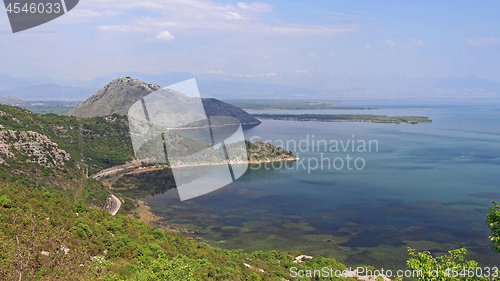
<point>346,118</point>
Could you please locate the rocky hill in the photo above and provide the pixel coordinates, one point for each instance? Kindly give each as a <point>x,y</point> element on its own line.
<point>32,146</point>
<point>13,101</point>
<point>47,152</point>
<point>93,143</point>
<point>115,97</point>
<point>120,94</point>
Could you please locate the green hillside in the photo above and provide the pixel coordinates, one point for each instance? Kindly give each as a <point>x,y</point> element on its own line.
<point>37,226</point>
<point>96,143</point>
<point>53,225</point>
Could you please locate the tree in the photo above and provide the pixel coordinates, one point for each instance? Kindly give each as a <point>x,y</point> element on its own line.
<point>453,266</point>
<point>493,221</point>
<point>447,267</point>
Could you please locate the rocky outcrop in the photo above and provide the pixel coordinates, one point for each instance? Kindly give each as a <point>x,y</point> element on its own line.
<point>32,147</point>
<point>301,259</point>
<point>2,113</point>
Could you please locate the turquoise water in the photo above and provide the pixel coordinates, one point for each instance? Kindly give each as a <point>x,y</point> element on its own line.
<point>428,186</point>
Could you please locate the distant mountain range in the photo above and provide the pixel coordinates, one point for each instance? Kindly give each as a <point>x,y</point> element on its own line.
<point>321,85</point>
<point>220,89</point>
<point>293,85</point>
<point>47,91</point>
<point>471,82</point>
<point>9,82</point>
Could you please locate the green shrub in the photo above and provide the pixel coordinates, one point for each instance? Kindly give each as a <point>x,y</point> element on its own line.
<point>5,201</point>
<point>158,233</point>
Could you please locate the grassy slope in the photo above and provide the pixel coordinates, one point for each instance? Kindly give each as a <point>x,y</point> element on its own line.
<point>134,248</point>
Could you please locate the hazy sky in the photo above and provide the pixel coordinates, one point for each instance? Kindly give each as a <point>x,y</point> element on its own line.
<point>409,38</point>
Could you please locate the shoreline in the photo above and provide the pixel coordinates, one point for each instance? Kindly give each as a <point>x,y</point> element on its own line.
<point>147,169</point>
<point>342,120</point>
<point>140,169</point>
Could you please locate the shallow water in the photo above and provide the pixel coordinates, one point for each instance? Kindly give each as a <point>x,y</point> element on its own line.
<point>428,186</point>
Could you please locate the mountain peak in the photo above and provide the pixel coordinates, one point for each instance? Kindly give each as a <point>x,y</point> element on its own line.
<point>116,97</point>
<point>127,80</point>
<point>119,95</point>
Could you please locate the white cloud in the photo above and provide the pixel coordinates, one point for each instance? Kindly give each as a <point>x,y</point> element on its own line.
<point>203,15</point>
<point>416,42</point>
<point>124,28</point>
<point>114,30</point>
<point>307,30</point>
<point>333,54</point>
<point>235,16</point>
<point>149,24</point>
<point>388,42</point>
<point>182,9</point>
<point>86,15</point>
<point>255,7</point>
<point>359,12</point>
<point>483,41</point>
<point>270,74</point>
<point>389,32</point>
<point>368,46</point>
<point>413,43</point>
<point>312,55</point>
<point>165,35</point>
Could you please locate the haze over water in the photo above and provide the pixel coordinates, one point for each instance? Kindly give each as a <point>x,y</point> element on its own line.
<point>428,187</point>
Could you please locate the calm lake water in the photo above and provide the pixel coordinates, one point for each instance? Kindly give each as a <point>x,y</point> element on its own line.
<point>428,186</point>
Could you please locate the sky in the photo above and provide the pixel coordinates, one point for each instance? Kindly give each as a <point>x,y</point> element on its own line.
<point>388,38</point>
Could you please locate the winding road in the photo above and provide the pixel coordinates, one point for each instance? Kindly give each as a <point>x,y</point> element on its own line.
<point>113,204</point>
<point>115,169</point>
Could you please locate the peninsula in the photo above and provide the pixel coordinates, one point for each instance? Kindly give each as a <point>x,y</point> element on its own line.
<point>346,118</point>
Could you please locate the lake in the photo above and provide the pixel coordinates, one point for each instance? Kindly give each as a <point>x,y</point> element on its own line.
<point>427,186</point>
